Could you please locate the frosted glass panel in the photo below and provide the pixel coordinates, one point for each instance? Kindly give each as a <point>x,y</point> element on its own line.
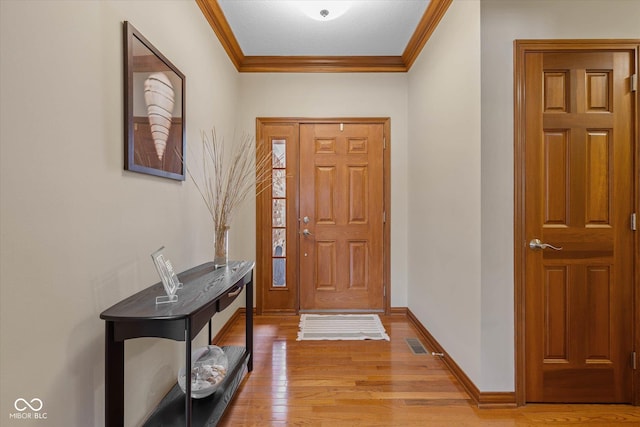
<point>279,183</point>
<point>279,242</point>
<point>279,213</point>
<point>278,150</point>
<point>279,272</point>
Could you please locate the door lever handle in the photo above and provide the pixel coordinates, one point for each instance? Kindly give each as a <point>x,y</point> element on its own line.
<point>306,232</point>
<point>537,244</point>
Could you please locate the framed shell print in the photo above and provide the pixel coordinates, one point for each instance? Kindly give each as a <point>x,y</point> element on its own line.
<point>154,109</point>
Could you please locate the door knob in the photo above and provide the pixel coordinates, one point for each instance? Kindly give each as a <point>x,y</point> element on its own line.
<point>537,244</point>
<point>306,232</point>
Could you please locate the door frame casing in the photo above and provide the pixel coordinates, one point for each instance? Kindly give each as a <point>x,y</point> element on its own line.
<point>262,278</point>
<point>521,48</point>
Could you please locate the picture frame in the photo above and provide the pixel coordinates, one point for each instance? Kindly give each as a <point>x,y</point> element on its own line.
<point>167,275</point>
<point>154,110</point>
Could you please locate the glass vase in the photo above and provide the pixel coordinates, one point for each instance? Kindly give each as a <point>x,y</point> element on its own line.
<point>221,244</point>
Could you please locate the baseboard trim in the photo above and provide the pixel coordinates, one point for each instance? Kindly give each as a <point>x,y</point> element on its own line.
<point>398,311</point>
<point>497,399</point>
<point>506,399</point>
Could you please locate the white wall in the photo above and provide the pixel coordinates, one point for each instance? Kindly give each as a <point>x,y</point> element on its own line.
<point>77,230</point>
<point>444,185</point>
<point>502,23</point>
<point>341,95</point>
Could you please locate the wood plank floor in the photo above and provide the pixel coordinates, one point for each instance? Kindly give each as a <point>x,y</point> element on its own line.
<point>373,383</point>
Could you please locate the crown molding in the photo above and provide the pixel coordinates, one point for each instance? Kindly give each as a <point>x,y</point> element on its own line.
<point>323,64</point>
<point>212,11</point>
<point>430,20</point>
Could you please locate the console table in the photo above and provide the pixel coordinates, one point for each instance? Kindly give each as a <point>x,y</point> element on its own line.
<point>206,290</point>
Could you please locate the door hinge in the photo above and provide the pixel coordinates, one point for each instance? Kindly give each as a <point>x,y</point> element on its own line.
<point>341,127</point>
<point>384,142</point>
<point>633,222</point>
<point>384,217</point>
<point>384,294</point>
<point>634,82</point>
<point>634,360</point>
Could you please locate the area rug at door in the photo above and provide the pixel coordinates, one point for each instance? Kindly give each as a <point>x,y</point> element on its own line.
<point>341,327</point>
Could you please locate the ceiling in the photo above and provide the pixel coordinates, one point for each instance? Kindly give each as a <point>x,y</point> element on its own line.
<point>271,27</point>
<point>323,35</point>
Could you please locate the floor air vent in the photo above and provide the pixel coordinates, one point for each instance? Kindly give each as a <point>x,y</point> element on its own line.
<point>416,346</point>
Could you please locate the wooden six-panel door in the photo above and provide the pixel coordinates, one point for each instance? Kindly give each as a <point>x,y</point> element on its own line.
<point>579,198</point>
<point>331,178</point>
<point>341,214</point>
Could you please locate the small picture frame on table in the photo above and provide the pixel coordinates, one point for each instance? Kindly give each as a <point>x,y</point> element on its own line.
<point>168,276</point>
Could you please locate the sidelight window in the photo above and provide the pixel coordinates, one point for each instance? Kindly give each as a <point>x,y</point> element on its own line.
<point>279,213</point>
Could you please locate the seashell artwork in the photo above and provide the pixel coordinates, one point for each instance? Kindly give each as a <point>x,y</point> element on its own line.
<point>160,98</point>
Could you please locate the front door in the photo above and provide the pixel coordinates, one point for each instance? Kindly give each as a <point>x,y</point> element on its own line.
<point>341,217</point>
<point>578,243</point>
<point>330,178</point>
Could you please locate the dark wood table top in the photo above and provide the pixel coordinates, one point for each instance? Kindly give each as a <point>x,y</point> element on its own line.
<point>202,286</point>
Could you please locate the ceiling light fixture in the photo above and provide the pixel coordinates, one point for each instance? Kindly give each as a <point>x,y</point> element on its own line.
<point>324,10</point>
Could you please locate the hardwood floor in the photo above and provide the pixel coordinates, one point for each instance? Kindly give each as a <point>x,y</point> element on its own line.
<point>372,383</point>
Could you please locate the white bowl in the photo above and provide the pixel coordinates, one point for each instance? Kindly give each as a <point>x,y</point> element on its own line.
<point>208,369</point>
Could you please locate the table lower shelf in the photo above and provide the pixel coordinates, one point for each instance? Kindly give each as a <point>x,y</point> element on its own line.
<point>209,410</point>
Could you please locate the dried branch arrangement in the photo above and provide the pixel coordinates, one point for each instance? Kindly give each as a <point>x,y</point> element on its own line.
<point>225,182</point>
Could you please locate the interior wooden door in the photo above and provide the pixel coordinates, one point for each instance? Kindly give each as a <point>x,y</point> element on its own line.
<point>578,197</point>
<point>341,217</point>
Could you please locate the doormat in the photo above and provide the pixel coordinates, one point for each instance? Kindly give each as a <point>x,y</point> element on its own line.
<point>341,327</point>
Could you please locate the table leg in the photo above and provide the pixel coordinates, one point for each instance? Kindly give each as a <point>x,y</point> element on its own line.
<point>113,379</point>
<point>249,323</point>
<point>187,370</point>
